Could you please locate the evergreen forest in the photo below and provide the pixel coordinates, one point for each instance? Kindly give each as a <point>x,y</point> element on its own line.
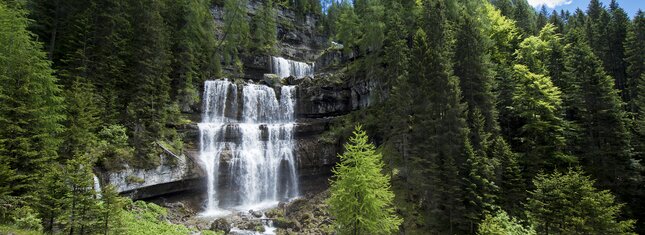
<point>482,117</point>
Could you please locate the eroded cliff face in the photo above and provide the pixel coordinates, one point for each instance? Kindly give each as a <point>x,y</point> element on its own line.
<point>319,102</point>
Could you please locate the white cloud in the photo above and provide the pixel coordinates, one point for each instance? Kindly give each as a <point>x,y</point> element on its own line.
<point>549,3</point>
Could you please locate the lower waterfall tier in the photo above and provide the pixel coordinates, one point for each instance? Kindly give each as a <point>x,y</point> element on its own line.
<point>257,145</point>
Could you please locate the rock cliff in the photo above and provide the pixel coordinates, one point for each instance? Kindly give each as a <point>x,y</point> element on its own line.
<point>319,101</point>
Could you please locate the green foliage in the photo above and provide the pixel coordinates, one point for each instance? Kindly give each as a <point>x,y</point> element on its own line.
<point>476,79</point>
<point>347,26</point>
<point>150,105</point>
<point>570,204</point>
<point>502,224</point>
<point>265,29</point>
<point>361,198</point>
<point>30,103</point>
<point>509,178</point>
<point>4,229</point>
<point>114,148</point>
<point>147,218</point>
<point>236,32</point>
<point>635,58</point>
<point>111,211</point>
<point>193,48</point>
<point>26,218</point>
<point>537,106</point>
<point>603,145</point>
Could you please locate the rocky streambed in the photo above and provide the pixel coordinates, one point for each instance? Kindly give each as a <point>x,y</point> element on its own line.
<point>305,215</point>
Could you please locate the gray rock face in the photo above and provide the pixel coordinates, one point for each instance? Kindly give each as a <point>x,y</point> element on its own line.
<point>330,101</point>
<point>172,175</point>
<point>297,37</point>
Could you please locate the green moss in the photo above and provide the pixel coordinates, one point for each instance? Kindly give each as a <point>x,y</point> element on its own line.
<point>131,179</point>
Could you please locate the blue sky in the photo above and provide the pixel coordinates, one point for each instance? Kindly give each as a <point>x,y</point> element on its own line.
<point>630,6</point>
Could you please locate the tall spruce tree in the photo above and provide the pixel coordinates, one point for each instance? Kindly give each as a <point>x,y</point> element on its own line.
<point>603,146</point>
<point>193,49</point>
<point>635,59</point>
<point>511,193</point>
<point>569,204</point>
<point>476,79</point>
<point>236,32</point>
<point>31,106</point>
<point>150,106</point>
<point>265,28</point>
<point>614,63</point>
<point>361,198</point>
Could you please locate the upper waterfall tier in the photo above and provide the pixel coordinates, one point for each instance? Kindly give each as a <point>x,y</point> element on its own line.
<point>285,68</point>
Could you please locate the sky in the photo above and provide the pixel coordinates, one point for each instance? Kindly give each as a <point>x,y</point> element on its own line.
<point>630,6</point>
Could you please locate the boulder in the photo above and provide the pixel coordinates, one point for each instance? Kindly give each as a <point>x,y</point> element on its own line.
<point>271,80</point>
<point>221,224</point>
<point>256,214</point>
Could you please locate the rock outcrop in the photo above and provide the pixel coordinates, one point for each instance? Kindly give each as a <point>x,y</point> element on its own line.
<point>174,174</point>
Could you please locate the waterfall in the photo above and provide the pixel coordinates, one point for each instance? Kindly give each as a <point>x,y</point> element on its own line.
<point>97,186</point>
<point>246,133</point>
<point>285,68</point>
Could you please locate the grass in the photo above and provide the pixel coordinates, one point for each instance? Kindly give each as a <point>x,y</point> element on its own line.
<point>8,229</point>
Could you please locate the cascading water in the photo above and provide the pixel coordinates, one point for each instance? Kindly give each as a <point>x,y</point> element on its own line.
<point>285,68</point>
<point>246,133</point>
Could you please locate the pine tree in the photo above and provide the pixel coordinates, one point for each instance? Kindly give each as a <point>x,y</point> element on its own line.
<point>569,204</point>
<point>615,64</point>
<point>603,142</point>
<point>361,198</point>
<point>82,120</point>
<point>542,18</point>
<point>30,103</point>
<point>635,59</point>
<point>150,106</point>
<point>109,54</point>
<point>396,82</point>
<point>511,193</point>
<point>556,20</point>
<point>525,17</point>
<point>236,32</point>
<point>193,49</point>
<point>635,52</point>
<point>504,38</point>
<point>265,36</point>
<point>476,79</point>
<point>82,210</point>
<point>111,209</point>
<point>51,198</point>
<point>596,29</point>
<point>346,27</point>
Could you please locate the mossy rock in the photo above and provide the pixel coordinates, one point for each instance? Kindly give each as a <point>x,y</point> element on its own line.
<point>131,179</point>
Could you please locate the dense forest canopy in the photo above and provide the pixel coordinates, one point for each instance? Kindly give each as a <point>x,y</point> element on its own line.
<point>490,117</point>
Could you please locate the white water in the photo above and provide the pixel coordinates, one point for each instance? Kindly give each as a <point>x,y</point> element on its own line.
<point>97,186</point>
<point>285,68</point>
<point>258,139</point>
